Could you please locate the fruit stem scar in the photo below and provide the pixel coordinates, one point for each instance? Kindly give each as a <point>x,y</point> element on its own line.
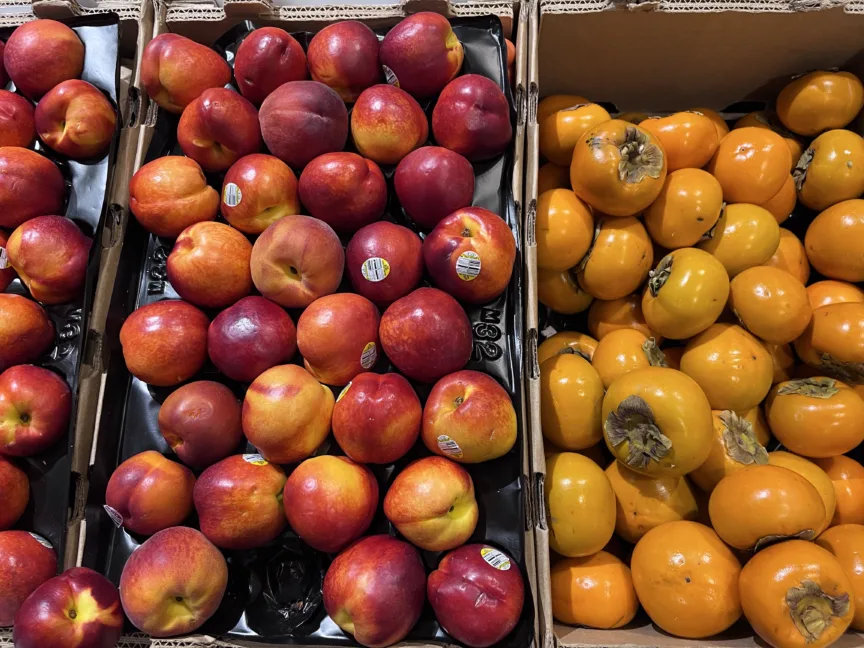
<point>459,400</point>
<point>72,614</point>
<point>633,421</point>
<point>466,232</point>
<point>25,418</point>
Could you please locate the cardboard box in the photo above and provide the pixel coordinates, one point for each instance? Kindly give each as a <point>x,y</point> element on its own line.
<point>661,57</point>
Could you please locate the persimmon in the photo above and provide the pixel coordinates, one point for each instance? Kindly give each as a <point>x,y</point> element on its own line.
<point>552,176</point>
<point>751,165</point>
<point>831,170</point>
<point>731,366</point>
<point>763,119</point>
<point>657,421</point>
<point>716,118</point>
<point>846,544</point>
<point>565,229</point>
<point>847,475</point>
<point>790,256</point>
<point>763,504</point>
<point>816,417</point>
<point>784,361</point>
<point>595,591</point>
<point>817,477</point>
<point>734,446</point>
<point>833,342</point>
<point>770,303</point>
<point>796,594</point>
<point>580,505</point>
<point>554,103</point>
<point>567,342</point>
<point>559,291</point>
<point>625,350</point>
<point>688,206</point>
<point>835,239</point>
<point>619,259</point>
<point>686,293</point>
<point>782,204</point>
<point>688,138</point>
<point>632,117</point>
<point>819,101</point>
<point>687,579</point>
<point>829,291</point>
<point>608,315</point>
<point>571,398</point>
<point>745,236</point>
<point>618,168</point>
<point>560,131</point>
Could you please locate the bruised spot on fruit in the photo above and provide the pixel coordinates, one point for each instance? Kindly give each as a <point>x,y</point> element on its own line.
<point>812,609</point>
<point>633,422</point>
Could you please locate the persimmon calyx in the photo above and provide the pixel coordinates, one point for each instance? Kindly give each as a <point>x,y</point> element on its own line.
<point>812,609</point>
<point>655,355</point>
<point>584,262</point>
<point>740,440</point>
<point>799,173</point>
<point>572,351</point>
<point>633,421</point>
<point>660,275</point>
<point>820,387</point>
<point>639,157</point>
<point>711,231</point>
<point>764,541</point>
<point>852,373</point>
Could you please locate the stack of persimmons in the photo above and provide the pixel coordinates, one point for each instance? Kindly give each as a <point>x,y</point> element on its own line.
<point>726,381</point>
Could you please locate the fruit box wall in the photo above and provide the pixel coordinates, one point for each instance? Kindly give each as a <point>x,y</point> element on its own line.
<point>678,53</point>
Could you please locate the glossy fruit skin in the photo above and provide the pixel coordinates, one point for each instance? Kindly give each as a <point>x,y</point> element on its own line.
<point>595,591</point>
<point>820,100</point>
<point>770,303</point>
<point>594,170</point>
<point>816,427</point>
<point>619,259</point>
<point>554,103</point>
<point>680,410</point>
<point>784,360</point>
<point>762,502</point>
<point>565,229</point>
<point>622,351</point>
<point>765,119</point>
<point>848,478</point>
<point>687,579</point>
<point>829,291</point>
<point>751,165</point>
<point>846,544</point>
<point>838,331</point>
<point>817,477</point>
<point>580,504</point>
<point>691,299</point>
<point>746,236</point>
<point>790,256</point>
<point>567,342</point>
<point>571,399</point>
<point>834,239</point>
<point>783,202</point>
<point>559,290</point>
<point>688,138</point>
<point>626,312</point>
<point>720,124</point>
<point>560,130</point>
<point>643,502</point>
<point>831,170</point>
<point>766,580</point>
<point>688,206</point>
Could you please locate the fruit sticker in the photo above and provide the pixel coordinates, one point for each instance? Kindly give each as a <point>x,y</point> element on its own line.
<point>41,540</point>
<point>468,266</point>
<point>115,516</point>
<point>369,356</point>
<point>448,446</point>
<point>497,559</point>
<point>391,77</point>
<point>348,386</point>
<point>4,259</point>
<point>375,269</point>
<point>255,459</point>
<point>232,195</point>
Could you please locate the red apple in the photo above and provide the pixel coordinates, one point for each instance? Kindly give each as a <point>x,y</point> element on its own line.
<point>433,182</point>
<point>337,335</point>
<point>4,78</point>
<point>218,128</point>
<point>25,330</point>
<point>171,193</point>
<point>16,492</point>
<point>35,405</point>
<point>472,117</point>
<point>426,334</point>
<point>173,583</point>
<point>176,70</point>
<point>7,272</point>
<point>385,262</point>
<point>344,190</point>
<point>150,493</point>
<point>267,58</point>
<point>377,418</point>
<point>30,185</point>
<point>78,609</point>
<point>469,417</point>
<point>50,255</point>
<point>201,423</point>
<point>209,265</point>
<point>250,337</point>
<point>258,190</point>
<point>330,501</point>
<point>301,120</point>
<point>297,260</point>
<point>41,54</point>
<point>165,343</point>
<point>387,124</point>
<point>344,56</point>
<point>17,125</point>
<point>286,414</point>
<point>477,594</point>
<point>76,120</point>
<point>26,561</point>
<point>375,590</point>
<point>470,255</point>
<point>239,502</point>
<point>423,53</point>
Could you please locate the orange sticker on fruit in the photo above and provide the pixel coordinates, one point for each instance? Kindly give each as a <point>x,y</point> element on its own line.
<point>448,446</point>
<point>343,392</point>
<point>41,540</point>
<point>498,559</point>
<point>468,266</point>
<point>369,356</point>
<point>232,195</point>
<point>255,459</point>
<point>375,269</point>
